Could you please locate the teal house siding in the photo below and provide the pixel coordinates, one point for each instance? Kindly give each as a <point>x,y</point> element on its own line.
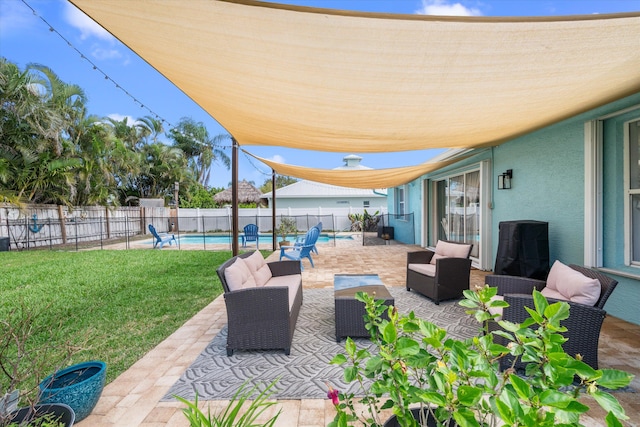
<point>549,185</point>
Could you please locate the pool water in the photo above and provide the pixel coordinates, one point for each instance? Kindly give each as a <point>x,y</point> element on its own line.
<point>199,239</point>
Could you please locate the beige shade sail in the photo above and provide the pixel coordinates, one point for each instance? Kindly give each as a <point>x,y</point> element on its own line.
<point>336,81</point>
<point>362,178</point>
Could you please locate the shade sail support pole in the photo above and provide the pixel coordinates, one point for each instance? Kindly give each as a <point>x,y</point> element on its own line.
<point>273,207</point>
<point>234,196</point>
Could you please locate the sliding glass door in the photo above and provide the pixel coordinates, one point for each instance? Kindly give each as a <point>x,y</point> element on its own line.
<point>458,209</point>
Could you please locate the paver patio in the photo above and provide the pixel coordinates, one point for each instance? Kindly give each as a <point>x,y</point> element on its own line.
<point>133,399</point>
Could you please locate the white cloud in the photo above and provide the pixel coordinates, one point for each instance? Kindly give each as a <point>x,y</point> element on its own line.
<point>444,7</point>
<point>119,117</point>
<point>277,158</point>
<point>87,26</point>
<point>15,18</point>
<point>108,53</point>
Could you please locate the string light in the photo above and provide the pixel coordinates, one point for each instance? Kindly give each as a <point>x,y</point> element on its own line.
<point>164,121</point>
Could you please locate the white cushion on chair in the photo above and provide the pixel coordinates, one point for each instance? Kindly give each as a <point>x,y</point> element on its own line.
<point>238,276</point>
<point>436,257</point>
<point>454,250</point>
<point>426,269</point>
<point>571,285</point>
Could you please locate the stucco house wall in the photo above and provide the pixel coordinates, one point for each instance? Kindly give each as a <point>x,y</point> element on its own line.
<point>549,167</point>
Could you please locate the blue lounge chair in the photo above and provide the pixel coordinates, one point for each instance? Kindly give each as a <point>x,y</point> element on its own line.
<point>161,238</point>
<point>250,235</point>
<point>297,252</point>
<point>300,240</point>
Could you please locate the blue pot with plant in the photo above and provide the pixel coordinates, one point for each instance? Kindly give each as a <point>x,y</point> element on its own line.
<point>78,386</point>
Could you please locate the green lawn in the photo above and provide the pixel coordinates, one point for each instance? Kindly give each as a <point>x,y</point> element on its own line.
<point>113,306</point>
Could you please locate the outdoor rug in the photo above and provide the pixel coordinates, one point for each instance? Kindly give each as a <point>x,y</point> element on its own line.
<point>304,373</point>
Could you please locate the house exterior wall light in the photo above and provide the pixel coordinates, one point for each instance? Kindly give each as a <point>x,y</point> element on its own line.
<point>504,180</point>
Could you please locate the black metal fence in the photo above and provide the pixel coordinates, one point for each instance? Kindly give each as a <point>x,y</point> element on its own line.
<point>205,232</point>
<point>389,229</point>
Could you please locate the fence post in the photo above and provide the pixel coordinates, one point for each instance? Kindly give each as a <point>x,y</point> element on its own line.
<point>63,225</point>
<point>50,238</point>
<point>106,215</point>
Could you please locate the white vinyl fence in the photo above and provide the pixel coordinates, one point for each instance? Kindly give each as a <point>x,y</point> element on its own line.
<point>37,226</point>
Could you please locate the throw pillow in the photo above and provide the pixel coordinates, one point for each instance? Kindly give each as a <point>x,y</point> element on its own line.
<point>263,275</point>
<point>454,250</point>
<point>254,262</point>
<point>552,277</point>
<point>573,285</point>
<point>436,257</point>
<point>238,276</point>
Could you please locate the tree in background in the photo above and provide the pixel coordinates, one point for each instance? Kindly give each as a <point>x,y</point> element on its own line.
<point>201,150</point>
<point>199,196</point>
<point>53,151</point>
<point>281,181</point>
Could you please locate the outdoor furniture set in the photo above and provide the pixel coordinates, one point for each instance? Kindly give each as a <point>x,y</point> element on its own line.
<point>440,274</point>
<point>263,299</point>
<point>302,248</point>
<point>585,290</point>
<point>161,238</point>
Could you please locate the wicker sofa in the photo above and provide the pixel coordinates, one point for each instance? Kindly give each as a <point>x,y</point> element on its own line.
<point>263,302</point>
<point>585,319</point>
<point>441,274</point>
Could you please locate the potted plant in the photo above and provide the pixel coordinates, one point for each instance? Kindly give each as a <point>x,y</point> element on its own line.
<point>78,386</point>
<point>242,410</point>
<point>425,377</point>
<point>287,227</point>
<point>20,368</point>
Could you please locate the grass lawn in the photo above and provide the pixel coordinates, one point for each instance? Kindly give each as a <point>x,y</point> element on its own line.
<point>112,306</point>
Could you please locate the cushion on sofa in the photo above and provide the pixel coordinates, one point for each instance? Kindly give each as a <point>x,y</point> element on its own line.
<point>262,275</point>
<point>454,250</point>
<point>426,269</point>
<point>238,276</point>
<point>293,282</point>
<point>255,261</point>
<point>572,285</point>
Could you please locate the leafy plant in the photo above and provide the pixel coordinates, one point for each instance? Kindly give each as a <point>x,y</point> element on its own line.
<point>287,227</point>
<point>460,381</point>
<point>233,415</point>
<point>364,221</point>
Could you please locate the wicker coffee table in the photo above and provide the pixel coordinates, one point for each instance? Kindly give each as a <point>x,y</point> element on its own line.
<point>349,311</point>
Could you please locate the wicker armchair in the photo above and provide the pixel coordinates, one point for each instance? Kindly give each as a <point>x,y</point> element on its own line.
<point>444,279</point>
<point>263,317</point>
<point>584,322</point>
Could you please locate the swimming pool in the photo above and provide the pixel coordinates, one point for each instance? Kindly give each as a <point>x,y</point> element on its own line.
<point>199,239</point>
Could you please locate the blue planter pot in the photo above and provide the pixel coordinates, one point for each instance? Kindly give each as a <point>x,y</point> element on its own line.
<point>78,386</point>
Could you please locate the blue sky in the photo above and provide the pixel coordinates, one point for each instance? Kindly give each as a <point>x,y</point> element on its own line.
<point>26,38</point>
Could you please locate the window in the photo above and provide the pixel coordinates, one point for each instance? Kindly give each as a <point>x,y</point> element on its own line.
<point>633,191</point>
<point>400,200</point>
<point>365,203</point>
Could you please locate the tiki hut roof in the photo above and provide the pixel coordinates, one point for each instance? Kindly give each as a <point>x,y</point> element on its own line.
<point>247,193</point>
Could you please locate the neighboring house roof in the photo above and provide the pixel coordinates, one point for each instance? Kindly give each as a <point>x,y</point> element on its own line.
<point>312,189</point>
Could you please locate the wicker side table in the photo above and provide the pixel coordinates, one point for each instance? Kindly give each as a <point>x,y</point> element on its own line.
<point>350,312</point>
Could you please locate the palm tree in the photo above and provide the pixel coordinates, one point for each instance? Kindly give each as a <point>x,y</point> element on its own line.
<point>201,150</point>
